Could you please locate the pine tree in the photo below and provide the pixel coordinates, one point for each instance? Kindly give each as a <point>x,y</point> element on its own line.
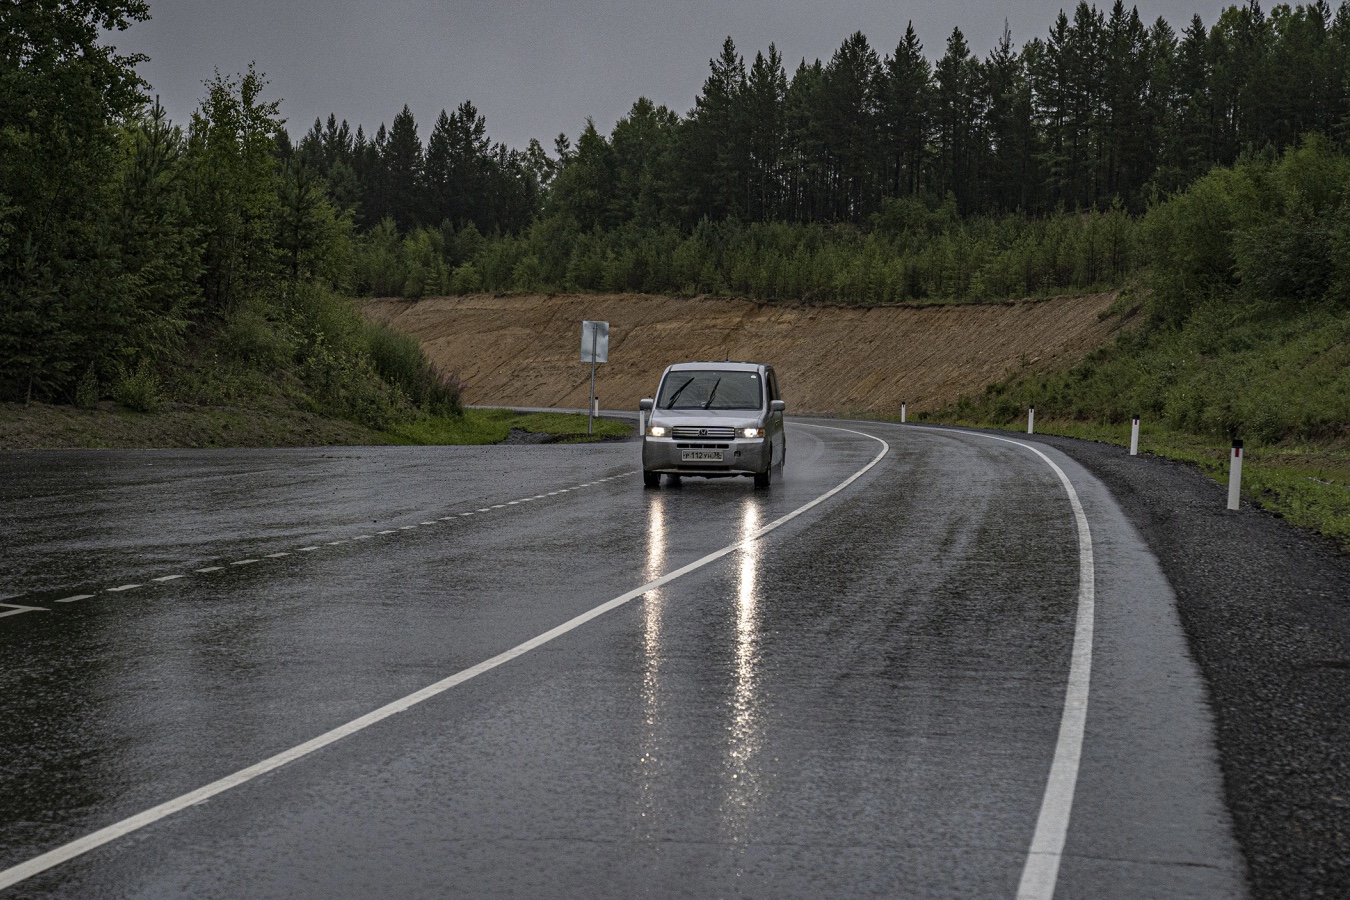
<point>403,165</point>
<point>904,99</point>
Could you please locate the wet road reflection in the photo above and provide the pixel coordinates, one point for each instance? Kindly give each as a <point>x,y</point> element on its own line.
<point>652,608</point>
<point>745,733</point>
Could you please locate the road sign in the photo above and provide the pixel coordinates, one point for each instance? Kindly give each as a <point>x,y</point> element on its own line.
<point>595,342</point>
<point>594,349</point>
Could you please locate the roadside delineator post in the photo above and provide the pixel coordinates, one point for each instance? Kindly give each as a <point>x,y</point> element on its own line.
<point>1235,475</point>
<point>1031,420</point>
<point>595,410</point>
<point>1134,437</point>
<point>902,412</point>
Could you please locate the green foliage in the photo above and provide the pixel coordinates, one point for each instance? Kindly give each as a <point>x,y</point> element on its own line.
<point>233,177</point>
<point>399,360</point>
<point>913,253</point>
<point>86,390</point>
<point>138,389</point>
<point>492,426</point>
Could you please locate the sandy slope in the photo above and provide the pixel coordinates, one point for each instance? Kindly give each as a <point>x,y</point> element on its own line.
<point>523,350</point>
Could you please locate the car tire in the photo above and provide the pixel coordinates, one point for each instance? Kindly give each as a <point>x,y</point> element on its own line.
<point>651,479</point>
<point>765,478</point>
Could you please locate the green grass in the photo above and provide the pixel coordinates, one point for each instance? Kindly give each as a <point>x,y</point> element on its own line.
<point>491,426</point>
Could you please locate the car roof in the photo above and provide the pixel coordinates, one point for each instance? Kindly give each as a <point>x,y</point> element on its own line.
<point>715,366</point>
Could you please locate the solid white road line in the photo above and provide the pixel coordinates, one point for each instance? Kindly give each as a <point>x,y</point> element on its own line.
<point>1052,824</point>
<point>66,852</point>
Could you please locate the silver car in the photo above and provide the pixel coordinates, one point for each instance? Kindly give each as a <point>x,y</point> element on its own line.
<point>714,420</point>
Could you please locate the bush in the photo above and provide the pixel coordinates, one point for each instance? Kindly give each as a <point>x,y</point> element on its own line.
<point>138,390</point>
<point>86,390</point>
<point>398,359</point>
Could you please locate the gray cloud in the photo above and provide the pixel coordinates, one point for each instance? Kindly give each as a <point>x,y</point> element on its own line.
<point>533,69</point>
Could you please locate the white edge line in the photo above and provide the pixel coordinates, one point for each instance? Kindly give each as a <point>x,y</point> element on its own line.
<point>66,852</point>
<point>1052,823</point>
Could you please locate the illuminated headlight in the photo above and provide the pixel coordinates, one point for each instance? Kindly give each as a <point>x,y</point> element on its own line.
<point>752,432</point>
<point>656,431</point>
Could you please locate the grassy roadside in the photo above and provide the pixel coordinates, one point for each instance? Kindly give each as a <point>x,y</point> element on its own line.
<point>492,426</point>
<point>267,422</point>
<point>1307,484</point>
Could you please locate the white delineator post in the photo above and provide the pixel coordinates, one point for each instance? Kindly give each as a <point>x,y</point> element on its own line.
<point>1235,475</point>
<point>1031,420</point>
<point>595,409</point>
<point>1134,437</point>
<point>902,412</point>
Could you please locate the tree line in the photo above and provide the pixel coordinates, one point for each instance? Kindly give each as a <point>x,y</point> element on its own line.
<point>133,249</point>
<point>1104,107</point>
<point>140,260</point>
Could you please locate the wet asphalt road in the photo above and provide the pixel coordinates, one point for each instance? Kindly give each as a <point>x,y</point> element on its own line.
<point>863,702</point>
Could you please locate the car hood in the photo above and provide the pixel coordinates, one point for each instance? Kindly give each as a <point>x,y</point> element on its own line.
<point>733,417</point>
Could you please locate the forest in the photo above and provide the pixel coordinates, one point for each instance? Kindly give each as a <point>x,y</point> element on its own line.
<point>142,259</point>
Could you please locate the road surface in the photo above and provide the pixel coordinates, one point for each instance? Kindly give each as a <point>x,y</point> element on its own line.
<point>924,663</point>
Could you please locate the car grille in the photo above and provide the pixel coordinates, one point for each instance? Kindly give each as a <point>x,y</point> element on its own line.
<point>703,432</point>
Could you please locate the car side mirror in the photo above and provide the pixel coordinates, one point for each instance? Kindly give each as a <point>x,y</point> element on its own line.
<point>777,406</point>
<point>646,404</point>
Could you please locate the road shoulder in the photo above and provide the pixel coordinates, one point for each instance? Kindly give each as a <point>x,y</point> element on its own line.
<point>1266,612</point>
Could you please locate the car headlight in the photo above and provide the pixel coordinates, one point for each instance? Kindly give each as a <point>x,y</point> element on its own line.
<point>656,431</point>
<point>752,432</point>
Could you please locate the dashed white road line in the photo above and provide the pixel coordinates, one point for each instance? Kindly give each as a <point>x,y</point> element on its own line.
<point>17,610</point>
<point>278,555</point>
<point>66,852</point>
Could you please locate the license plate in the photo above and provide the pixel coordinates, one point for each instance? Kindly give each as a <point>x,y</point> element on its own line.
<point>700,456</point>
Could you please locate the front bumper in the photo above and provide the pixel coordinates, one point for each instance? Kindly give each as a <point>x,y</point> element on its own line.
<point>744,456</point>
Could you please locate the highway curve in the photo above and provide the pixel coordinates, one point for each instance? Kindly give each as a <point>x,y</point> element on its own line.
<point>852,684</point>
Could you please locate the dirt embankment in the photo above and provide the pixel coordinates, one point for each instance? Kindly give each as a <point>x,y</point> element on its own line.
<point>524,350</point>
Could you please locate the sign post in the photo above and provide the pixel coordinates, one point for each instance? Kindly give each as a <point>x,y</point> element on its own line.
<point>594,349</point>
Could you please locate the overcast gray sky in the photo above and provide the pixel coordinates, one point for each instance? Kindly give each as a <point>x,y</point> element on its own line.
<point>533,69</point>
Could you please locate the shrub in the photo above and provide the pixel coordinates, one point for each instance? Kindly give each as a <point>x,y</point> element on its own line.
<point>86,390</point>
<point>138,390</point>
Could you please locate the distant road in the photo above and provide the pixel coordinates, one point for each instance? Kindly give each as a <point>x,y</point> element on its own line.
<point>853,684</point>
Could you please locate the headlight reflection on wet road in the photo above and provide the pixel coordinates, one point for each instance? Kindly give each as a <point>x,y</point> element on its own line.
<point>652,608</point>
<point>745,731</point>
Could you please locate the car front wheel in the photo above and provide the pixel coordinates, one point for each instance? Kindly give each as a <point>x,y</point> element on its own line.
<point>651,479</point>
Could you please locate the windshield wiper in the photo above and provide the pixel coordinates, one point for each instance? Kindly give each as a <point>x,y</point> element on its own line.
<point>670,403</point>
<point>712,393</point>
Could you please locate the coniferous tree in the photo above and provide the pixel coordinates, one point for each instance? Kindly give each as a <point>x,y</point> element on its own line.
<point>904,101</point>
<point>957,112</point>
<point>403,168</point>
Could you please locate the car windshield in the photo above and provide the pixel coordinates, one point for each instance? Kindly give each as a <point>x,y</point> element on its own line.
<point>711,390</point>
